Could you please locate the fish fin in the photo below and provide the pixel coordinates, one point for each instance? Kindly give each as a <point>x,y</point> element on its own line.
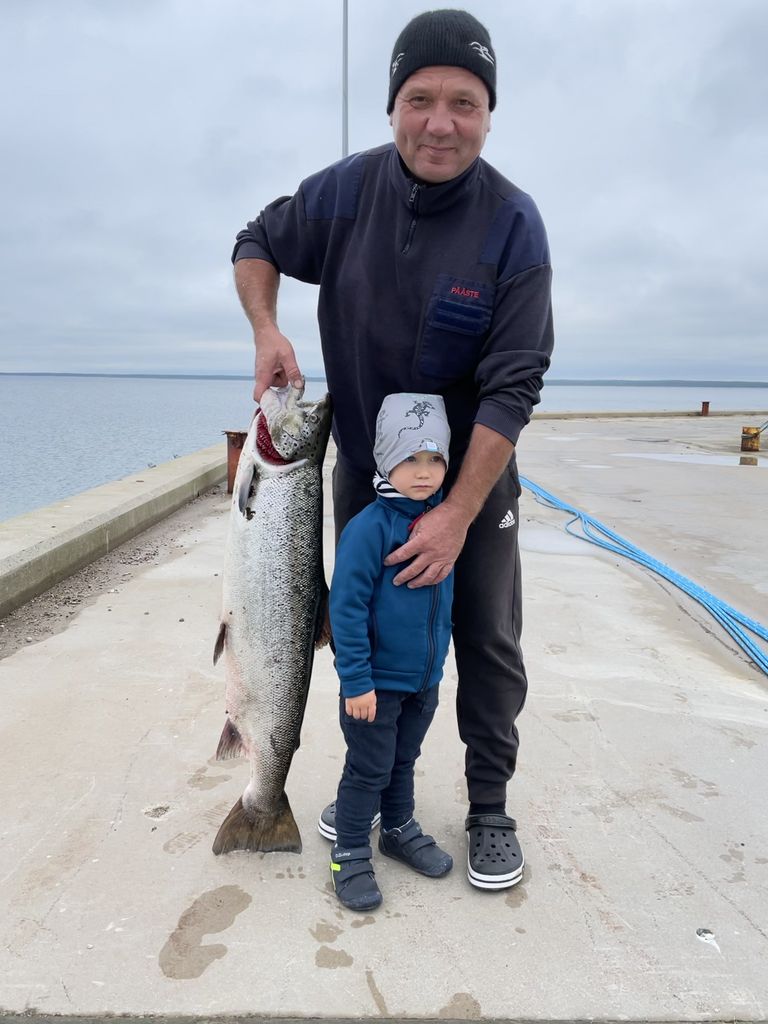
<point>219,645</point>
<point>259,831</point>
<point>323,634</point>
<point>230,743</point>
<point>245,492</point>
<point>245,478</point>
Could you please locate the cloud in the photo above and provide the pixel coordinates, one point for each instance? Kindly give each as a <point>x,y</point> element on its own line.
<point>142,136</point>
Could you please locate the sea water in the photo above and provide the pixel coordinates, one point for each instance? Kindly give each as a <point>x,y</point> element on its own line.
<point>63,434</point>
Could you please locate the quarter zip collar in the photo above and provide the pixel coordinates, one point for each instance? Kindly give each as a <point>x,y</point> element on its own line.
<point>429,199</point>
<point>409,507</point>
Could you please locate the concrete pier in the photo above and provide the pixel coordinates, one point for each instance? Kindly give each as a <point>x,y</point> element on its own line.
<point>41,548</point>
<point>640,794</point>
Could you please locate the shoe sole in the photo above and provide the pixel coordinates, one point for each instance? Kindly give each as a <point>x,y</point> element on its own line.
<point>362,907</point>
<point>402,860</point>
<point>494,881</point>
<point>329,832</point>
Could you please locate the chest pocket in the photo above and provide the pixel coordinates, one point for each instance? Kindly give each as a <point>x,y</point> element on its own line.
<point>458,319</point>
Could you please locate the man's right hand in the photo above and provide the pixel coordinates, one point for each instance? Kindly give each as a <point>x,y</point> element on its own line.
<point>276,363</point>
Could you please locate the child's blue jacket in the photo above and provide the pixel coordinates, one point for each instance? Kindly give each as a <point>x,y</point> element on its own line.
<point>386,637</point>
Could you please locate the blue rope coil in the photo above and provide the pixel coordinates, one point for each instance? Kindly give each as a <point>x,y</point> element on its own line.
<point>733,621</point>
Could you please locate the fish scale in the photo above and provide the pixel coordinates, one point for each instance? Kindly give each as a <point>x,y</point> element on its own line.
<point>273,600</point>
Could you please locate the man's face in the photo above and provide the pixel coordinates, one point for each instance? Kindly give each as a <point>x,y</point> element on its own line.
<point>440,121</point>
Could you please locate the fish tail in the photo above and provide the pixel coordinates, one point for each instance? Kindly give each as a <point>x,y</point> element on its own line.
<point>255,830</point>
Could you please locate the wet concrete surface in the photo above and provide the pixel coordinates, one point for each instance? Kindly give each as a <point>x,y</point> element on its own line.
<point>639,792</point>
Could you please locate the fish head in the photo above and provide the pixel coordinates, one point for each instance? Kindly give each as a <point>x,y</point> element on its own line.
<point>298,429</point>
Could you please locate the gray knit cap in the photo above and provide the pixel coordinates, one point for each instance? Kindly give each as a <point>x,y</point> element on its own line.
<point>450,37</point>
<point>409,423</point>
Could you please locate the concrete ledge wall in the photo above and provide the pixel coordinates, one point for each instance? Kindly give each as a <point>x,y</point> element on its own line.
<point>44,547</point>
<point>652,414</point>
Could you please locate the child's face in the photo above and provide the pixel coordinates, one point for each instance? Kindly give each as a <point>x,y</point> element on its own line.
<point>419,476</point>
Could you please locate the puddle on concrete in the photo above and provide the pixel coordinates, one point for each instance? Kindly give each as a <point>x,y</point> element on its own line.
<point>698,460</point>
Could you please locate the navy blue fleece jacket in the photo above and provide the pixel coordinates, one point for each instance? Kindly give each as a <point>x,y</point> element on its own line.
<point>386,637</point>
<point>429,288</point>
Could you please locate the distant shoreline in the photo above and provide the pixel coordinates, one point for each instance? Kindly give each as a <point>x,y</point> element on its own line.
<point>550,381</point>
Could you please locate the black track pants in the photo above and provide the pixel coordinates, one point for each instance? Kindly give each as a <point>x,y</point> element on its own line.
<point>487,622</point>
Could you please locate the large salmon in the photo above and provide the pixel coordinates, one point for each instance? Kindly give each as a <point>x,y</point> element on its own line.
<point>274,595</point>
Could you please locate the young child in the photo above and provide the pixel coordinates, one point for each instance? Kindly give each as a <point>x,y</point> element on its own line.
<point>391,643</point>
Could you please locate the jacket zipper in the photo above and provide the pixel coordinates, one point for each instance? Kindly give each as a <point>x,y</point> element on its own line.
<point>412,202</point>
<point>430,636</point>
<point>432,614</point>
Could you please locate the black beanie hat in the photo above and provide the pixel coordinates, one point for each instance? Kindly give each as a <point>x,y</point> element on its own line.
<point>449,37</point>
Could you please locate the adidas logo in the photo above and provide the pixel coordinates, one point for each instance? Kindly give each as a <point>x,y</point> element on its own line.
<point>508,520</point>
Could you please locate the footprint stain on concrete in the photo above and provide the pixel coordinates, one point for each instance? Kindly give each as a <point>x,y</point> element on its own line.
<point>678,812</point>
<point>517,897</point>
<point>735,856</point>
<point>288,873</point>
<point>332,958</point>
<point>202,780</point>
<point>361,922</point>
<point>738,738</point>
<point>184,841</point>
<point>158,811</point>
<point>462,1006</point>
<point>324,931</point>
<point>693,782</point>
<point>575,716</point>
<point>184,956</point>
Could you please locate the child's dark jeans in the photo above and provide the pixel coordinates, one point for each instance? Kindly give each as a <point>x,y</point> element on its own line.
<point>378,771</point>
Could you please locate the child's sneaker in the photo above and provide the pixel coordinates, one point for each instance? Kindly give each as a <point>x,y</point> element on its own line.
<point>326,823</point>
<point>353,879</point>
<point>412,847</point>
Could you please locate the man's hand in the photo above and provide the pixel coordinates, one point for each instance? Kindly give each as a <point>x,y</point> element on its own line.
<point>363,707</point>
<point>437,539</point>
<point>434,545</point>
<point>276,363</point>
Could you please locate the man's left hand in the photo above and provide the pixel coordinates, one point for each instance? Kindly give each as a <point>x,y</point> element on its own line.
<point>434,545</point>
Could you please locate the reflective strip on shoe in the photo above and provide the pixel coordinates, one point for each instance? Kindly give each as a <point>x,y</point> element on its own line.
<point>353,878</point>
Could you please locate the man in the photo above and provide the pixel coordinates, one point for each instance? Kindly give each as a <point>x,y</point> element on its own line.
<point>434,277</point>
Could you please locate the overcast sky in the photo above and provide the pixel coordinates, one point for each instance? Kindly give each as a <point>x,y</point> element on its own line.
<point>138,136</point>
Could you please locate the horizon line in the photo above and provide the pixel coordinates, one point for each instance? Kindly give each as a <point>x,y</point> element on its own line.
<point>316,378</point>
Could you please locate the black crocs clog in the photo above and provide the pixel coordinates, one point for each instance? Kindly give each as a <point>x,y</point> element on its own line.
<point>494,857</point>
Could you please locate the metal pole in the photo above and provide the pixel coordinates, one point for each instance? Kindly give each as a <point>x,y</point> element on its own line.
<point>344,77</point>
